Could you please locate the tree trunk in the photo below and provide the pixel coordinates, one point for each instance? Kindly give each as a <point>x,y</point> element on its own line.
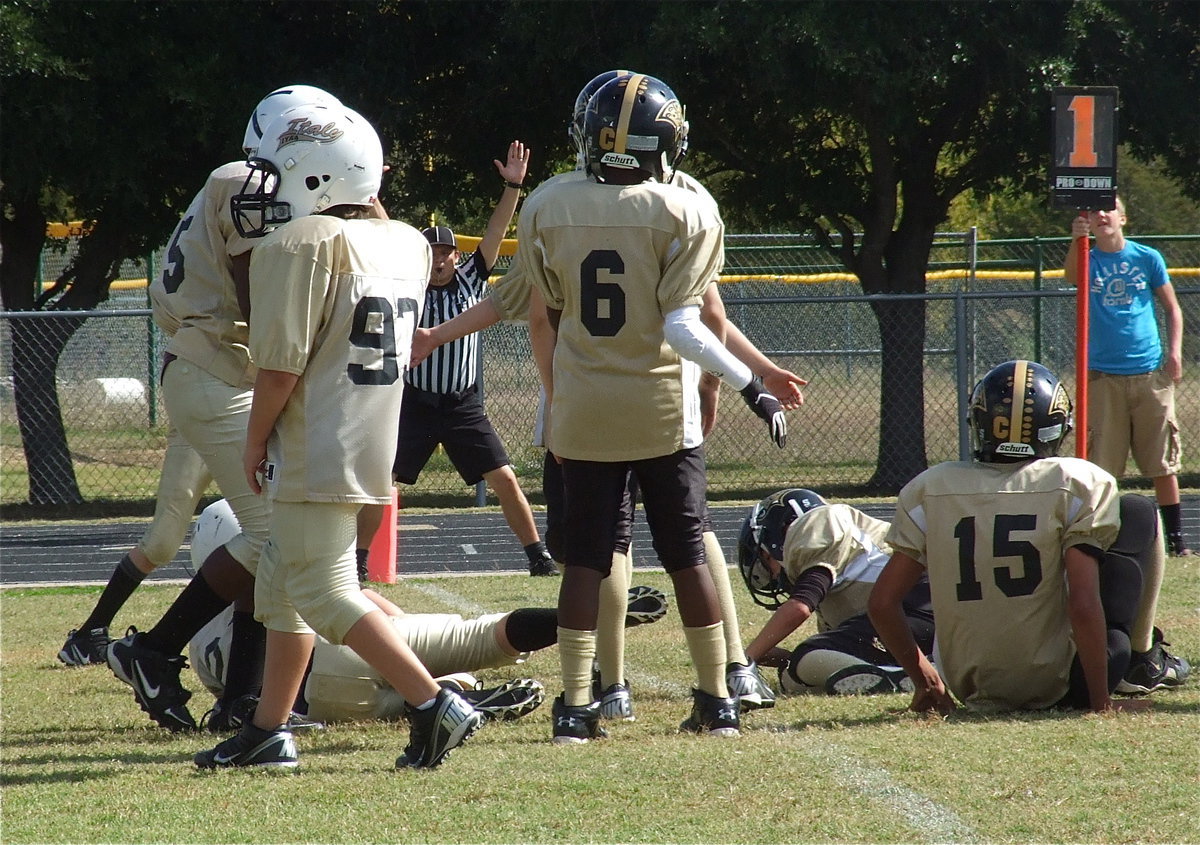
<point>902,389</point>
<point>37,344</point>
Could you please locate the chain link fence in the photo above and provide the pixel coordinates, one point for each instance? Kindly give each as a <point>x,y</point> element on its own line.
<point>986,302</point>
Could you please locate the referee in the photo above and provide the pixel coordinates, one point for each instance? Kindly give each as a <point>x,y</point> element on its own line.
<point>441,396</point>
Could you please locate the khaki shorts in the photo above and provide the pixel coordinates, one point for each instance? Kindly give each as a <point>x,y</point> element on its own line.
<point>212,415</point>
<point>307,580</point>
<point>1133,413</point>
<point>181,482</point>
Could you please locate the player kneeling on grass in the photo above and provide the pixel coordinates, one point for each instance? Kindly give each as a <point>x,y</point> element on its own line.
<point>1043,579</point>
<point>341,686</point>
<point>802,556</point>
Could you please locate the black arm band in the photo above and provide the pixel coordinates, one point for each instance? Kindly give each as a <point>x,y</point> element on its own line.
<point>812,586</point>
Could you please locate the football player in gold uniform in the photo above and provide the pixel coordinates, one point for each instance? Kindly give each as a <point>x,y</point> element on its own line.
<point>1038,570</point>
<point>336,292</point>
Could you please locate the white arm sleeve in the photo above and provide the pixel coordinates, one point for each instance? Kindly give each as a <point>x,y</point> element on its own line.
<point>688,336</point>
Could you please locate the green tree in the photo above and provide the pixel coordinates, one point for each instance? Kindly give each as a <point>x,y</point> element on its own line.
<point>862,122</point>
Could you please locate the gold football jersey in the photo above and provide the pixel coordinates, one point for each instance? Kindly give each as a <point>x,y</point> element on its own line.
<point>336,302</point>
<point>992,538</point>
<point>614,260</point>
<point>510,293</point>
<point>850,544</point>
<point>194,298</point>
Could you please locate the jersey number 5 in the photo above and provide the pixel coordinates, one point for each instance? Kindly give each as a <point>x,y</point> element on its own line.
<point>173,270</point>
<point>375,328</point>
<point>969,587</point>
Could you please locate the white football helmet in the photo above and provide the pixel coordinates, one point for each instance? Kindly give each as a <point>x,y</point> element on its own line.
<point>310,158</point>
<point>216,526</point>
<point>275,104</point>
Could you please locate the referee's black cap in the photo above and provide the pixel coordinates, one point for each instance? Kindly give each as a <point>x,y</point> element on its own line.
<point>440,235</point>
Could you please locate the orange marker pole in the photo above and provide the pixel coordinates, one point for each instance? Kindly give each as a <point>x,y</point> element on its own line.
<point>1081,346</point>
<point>381,555</point>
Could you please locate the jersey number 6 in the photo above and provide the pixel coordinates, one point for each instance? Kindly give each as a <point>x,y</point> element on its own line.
<point>593,292</point>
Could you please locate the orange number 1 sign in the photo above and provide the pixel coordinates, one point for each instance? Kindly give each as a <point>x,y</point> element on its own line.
<point>1083,150</point>
<point>1083,160</point>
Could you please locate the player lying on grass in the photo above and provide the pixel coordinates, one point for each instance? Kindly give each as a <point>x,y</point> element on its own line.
<point>341,686</point>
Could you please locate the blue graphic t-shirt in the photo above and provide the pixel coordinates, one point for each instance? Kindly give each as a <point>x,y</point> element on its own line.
<point>1123,338</point>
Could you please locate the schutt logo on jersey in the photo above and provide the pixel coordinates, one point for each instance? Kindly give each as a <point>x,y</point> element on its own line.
<point>303,129</point>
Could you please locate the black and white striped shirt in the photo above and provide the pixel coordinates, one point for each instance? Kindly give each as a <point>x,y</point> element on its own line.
<point>451,368</point>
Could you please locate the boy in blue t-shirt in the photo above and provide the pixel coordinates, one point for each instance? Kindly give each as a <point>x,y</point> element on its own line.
<point>1131,373</point>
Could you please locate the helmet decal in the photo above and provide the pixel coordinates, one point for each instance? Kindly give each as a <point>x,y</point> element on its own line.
<point>303,129</point>
<point>634,122</point>
<point>1018,411</point>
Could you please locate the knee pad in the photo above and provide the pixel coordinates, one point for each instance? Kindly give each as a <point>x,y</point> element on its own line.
<point>1139,526</point>
<point>1120,590</point>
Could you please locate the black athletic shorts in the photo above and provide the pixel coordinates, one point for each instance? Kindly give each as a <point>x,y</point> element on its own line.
<point>672,488</point>
<point>552,489</point>
<point>456,421</point>
<point>856,636</point>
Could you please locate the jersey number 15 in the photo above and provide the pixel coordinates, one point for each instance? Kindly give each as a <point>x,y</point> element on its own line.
<point>969,587</point>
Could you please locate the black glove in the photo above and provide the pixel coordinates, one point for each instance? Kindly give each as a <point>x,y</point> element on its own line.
<point>767,408</point>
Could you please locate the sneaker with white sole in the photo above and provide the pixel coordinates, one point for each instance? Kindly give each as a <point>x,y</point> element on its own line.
<point>510,700</point>
<point>1154,669</point>
<point>84,647</point>
<point>712,715</point>
<point>861,679</point>
<point>251,746</point>
<point>154,677</point>
<point>645,605</point>
<point>225,717</point>
<point>576,724</point>
<point>616,703</point>
<point>438,729</point>
<point>746,684</point>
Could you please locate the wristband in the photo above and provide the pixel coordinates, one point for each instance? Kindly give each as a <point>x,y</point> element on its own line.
<point>517,185</point>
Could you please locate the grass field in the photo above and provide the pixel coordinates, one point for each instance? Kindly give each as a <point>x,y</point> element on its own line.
<point>81,763</point>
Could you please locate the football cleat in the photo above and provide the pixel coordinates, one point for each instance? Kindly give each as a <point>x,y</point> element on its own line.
<point>1177,546</point>
<point>746,684</point>
<point>458,681</point>
<point>712,715</point>
<point>84,647</point>
<point>251,746</point>
<point>155,680</point>
<point>862,679</point>
<point>543,566</point>
<point>225,717</point>
<point>616,704</point>
<point>1154,669</point>
<point>576,725</point>
<point>437,730</point>
<point>511,700</point>
<point>646,605</point>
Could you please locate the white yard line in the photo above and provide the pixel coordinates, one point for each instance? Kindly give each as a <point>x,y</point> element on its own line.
<point>931,821</point>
